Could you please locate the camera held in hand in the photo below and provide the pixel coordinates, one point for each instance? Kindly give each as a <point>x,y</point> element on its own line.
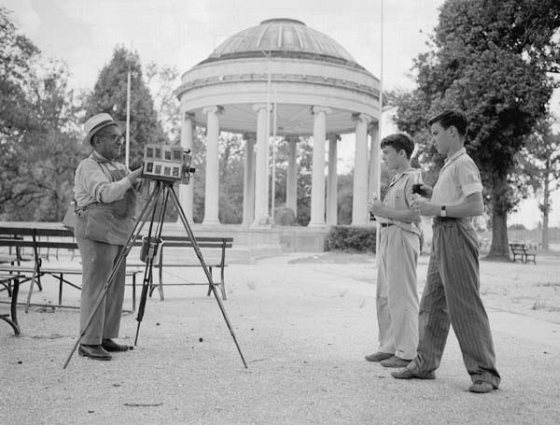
<point>417,189</point>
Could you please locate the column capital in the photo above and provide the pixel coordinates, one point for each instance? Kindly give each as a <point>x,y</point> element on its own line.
<point>251,135</point>
<point>318,109</point>
<point>361,117</point>
<point>334,137</point>
<point>373,125</point>
<point>188,116</point>
<point>258,106</point>
<point>213,109</point>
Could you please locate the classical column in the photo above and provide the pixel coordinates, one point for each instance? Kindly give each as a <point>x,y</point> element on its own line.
<point>249,181</point>
<point>291,178</point>
<point>360,196</point>
<point>374,160</point>
<point>332,181</point>
<point>261,167</point>
<point>212,189</point>
<point>186,190</point>
<point>318,167</point>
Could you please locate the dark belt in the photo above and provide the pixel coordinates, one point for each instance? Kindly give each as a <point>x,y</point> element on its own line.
<point>386,224</point>
<point>438,220</point>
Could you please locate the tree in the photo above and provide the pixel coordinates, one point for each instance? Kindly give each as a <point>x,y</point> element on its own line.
<point>162,81</point>
<point>539,162</point>
<point>232,157</point>
<point>304,159</point>
<point>492,59</point>
<point>110,96</point>
<point>38,140</point>
<point>44,185</point>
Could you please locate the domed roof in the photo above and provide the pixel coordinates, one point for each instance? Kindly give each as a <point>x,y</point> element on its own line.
<point>282,38</point>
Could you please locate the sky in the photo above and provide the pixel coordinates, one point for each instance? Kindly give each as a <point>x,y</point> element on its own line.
<point>182,33</point>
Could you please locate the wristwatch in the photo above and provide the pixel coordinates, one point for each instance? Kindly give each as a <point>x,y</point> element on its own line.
<point>443,212</point>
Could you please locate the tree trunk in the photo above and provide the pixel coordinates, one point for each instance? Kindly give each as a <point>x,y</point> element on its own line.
<point>499,250</point>
<point>545,209</point>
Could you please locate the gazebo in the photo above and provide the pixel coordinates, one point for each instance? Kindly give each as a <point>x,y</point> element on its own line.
<point>318,90</point>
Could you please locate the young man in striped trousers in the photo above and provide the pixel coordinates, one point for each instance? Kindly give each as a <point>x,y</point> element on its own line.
<point>451,296</point>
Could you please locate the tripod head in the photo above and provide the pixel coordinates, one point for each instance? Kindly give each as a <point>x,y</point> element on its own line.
<point>167,163</point>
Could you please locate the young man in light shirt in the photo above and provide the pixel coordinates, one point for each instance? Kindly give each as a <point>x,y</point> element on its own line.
<point>451,296</point>
<point>399,248</point>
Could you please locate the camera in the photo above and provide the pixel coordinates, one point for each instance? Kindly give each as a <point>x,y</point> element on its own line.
<point>417,189</point>
<point>167,163</point>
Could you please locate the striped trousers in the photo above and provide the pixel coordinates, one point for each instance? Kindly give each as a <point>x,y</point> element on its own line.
<point>451,297</point>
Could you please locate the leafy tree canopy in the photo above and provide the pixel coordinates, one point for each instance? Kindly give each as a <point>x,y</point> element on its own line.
<point>38,143</point>
<point>110,96</point>
<point>493,60</point>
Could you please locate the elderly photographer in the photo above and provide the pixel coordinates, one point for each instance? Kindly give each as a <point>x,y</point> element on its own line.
<point>105,204</point>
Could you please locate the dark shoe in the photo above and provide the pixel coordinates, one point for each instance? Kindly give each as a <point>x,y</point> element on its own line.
<point>395,362</point>
<point>481,387</point>
<point>379,356</point>
<point>113,347</point>
<point>94,352</point>
<point>411,374</point>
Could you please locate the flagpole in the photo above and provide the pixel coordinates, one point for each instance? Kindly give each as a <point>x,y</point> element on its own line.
<point>380,126</point>
<point>127,146</point>
<point>377,188</point>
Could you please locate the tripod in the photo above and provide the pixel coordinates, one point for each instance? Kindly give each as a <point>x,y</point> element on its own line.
<point>164,188</point>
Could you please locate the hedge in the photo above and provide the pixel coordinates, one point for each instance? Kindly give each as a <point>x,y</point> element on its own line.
<point>351,238</point>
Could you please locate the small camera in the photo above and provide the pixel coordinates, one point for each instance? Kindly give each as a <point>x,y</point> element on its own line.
<point>167,163</point>
<point>417,189</point>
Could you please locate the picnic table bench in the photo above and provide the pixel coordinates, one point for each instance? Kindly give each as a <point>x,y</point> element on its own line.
<point>11,285</point>
<point>524,253</point>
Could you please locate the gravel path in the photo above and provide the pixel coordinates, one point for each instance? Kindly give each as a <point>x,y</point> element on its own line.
<point>304,323</point>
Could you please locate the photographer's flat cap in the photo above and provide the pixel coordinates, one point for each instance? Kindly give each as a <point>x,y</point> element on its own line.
<point>94,124</point>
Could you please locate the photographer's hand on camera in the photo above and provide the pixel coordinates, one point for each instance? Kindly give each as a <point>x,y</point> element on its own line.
<point>134,175</point>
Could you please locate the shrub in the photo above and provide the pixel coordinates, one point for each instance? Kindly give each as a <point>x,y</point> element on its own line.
<point>351,238</point>
<point>517,226</point>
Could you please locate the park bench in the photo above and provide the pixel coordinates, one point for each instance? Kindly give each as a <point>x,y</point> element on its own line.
<point>10,282</point>
<point>169,256</point>
<point>41,240</point>
<point>524,253</point>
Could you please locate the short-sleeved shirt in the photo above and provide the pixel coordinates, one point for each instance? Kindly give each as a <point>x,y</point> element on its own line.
<point>458,178</point>
<point>399,197</point>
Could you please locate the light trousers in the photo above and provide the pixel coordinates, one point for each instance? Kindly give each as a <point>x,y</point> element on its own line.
<point>451,298</point>
<point>397,293</point>
<point>98,260</point>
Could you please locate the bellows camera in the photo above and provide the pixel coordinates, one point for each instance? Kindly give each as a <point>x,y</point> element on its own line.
<point>167,163</point>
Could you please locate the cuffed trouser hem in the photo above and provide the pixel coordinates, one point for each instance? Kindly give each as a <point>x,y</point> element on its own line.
<point>487,377</point>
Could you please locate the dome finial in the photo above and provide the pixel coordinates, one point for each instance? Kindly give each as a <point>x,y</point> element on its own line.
<point>293,21</point>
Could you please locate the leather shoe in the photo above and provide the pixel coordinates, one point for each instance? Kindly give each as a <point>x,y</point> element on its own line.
<point>411,374</point>
<point>395,362</point>
<point>112,346</point>
<point>379,356</point>
<point>481,387</point>
<point>94,352</point>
